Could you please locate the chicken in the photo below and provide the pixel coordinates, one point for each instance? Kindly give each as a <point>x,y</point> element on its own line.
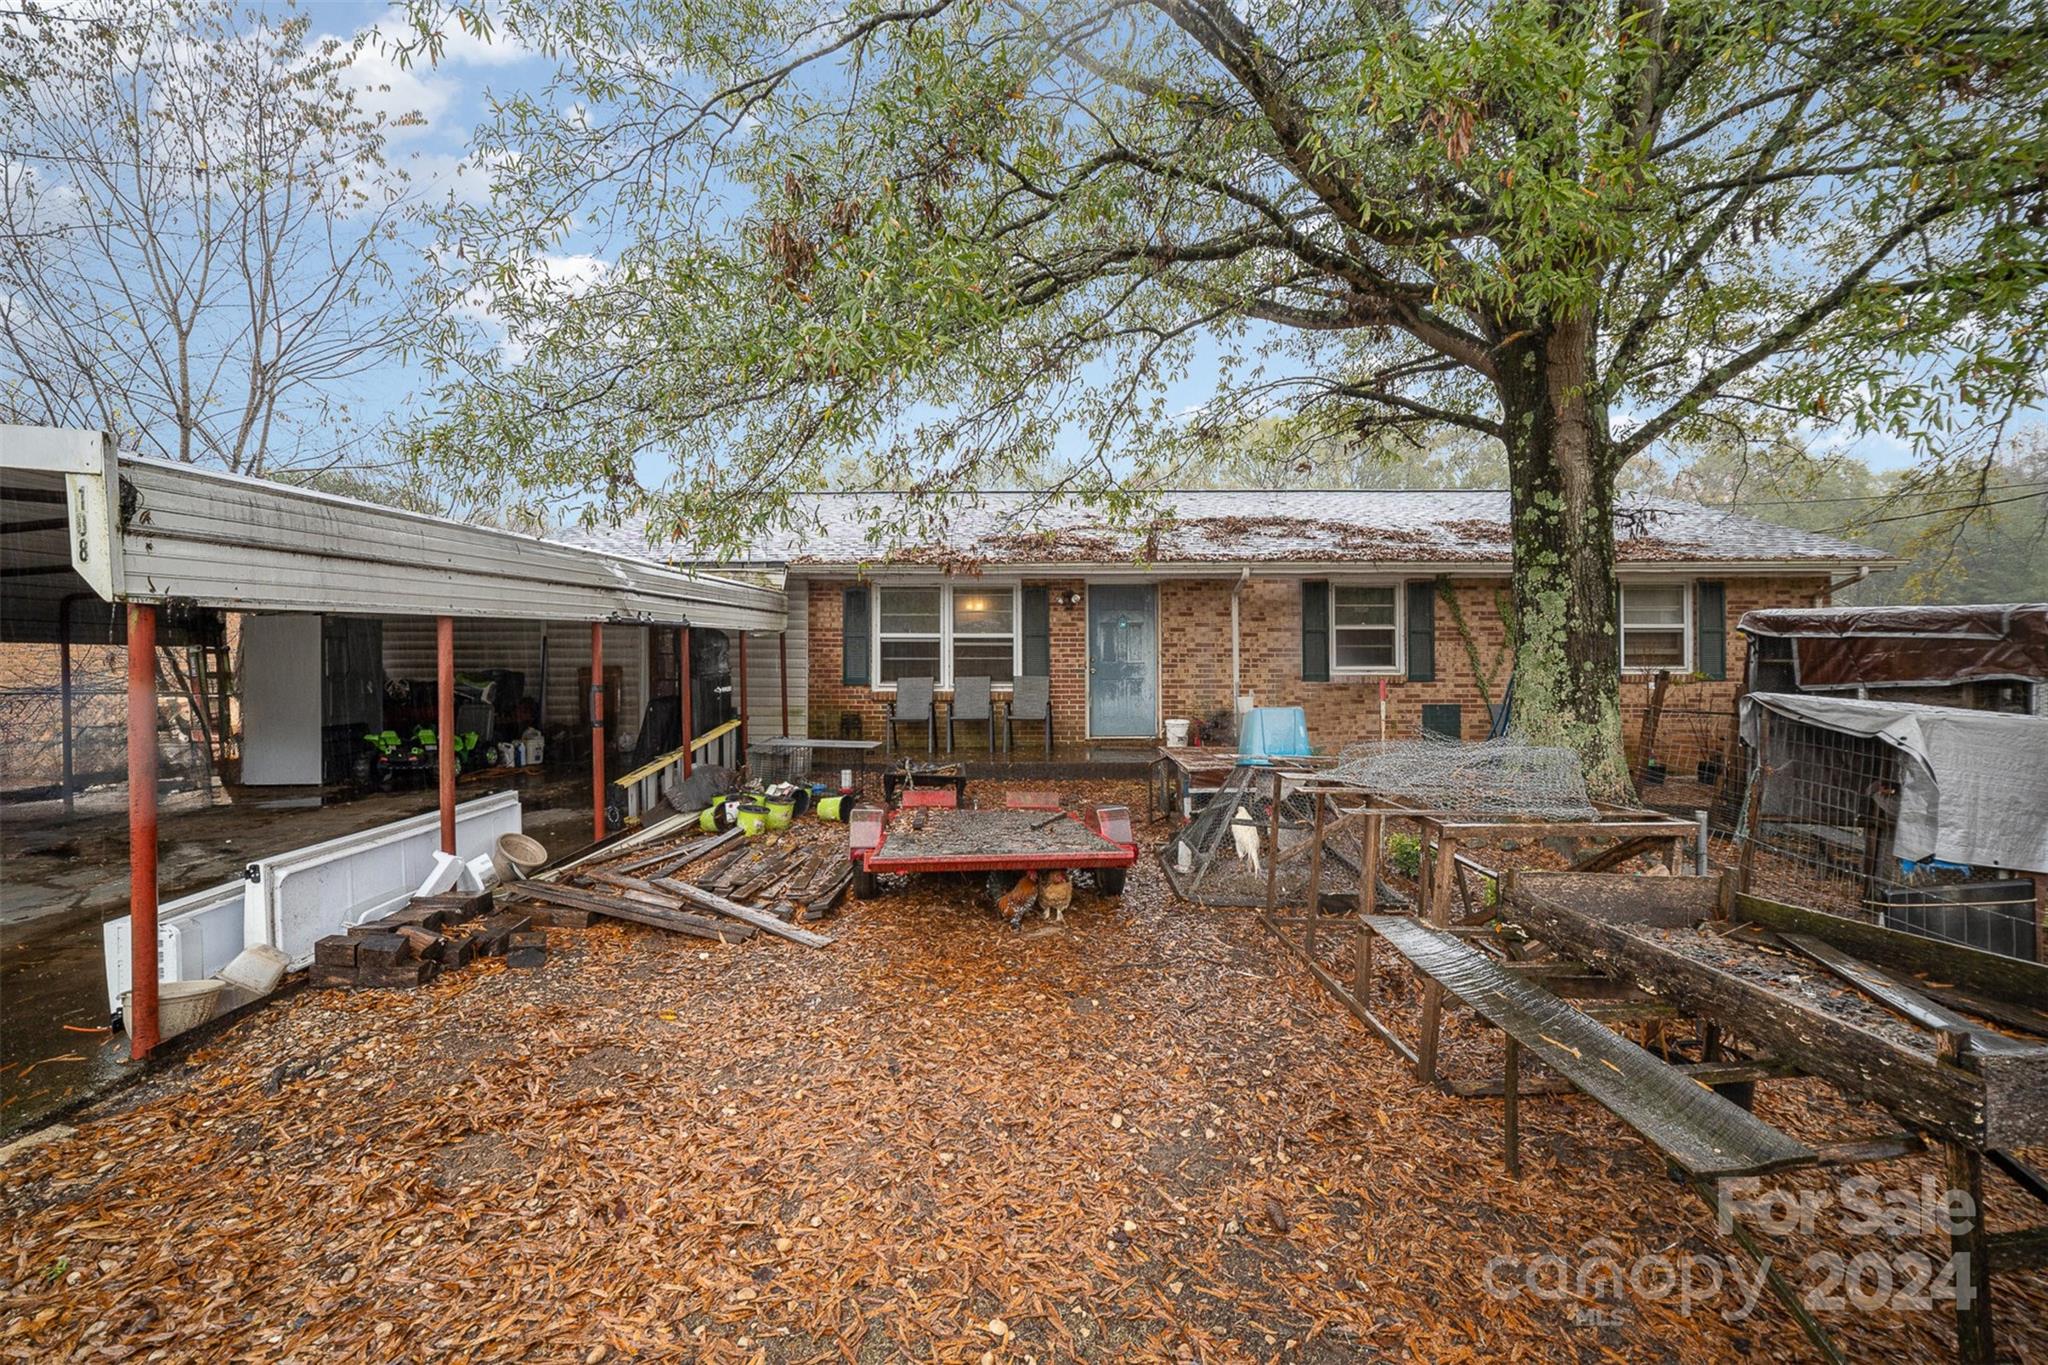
<point>1019,899</point>
<point>1055,894</point>
<point>1244,832</point>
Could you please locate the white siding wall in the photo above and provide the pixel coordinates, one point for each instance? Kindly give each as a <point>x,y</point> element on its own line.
<point>764,683</point>
<point>625,647</point>
<point>409,653</point>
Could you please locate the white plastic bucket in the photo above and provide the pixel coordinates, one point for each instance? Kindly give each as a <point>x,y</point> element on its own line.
<point>516,857</point>
<point>256,970</point>
<point>180,1006</point>
<point>1176,734</point>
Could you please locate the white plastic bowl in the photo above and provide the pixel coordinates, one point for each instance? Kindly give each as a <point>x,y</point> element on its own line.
<point>180,1006</point>
<point>516,857</point>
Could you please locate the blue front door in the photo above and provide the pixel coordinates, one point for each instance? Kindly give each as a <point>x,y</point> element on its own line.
<point>1123,661</point>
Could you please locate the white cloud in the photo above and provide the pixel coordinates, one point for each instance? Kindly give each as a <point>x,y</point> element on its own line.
<point>570,273</point>
<point>467,49</point>
<point>397,91</point>
<point>464,177</point>
<point>415,93</point>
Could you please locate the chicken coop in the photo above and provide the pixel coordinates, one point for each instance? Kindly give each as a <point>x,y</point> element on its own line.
<point>1921,818</point>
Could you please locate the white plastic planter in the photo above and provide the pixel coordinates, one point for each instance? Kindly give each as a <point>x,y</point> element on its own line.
<point>291,901</point>
<point>298,898</point>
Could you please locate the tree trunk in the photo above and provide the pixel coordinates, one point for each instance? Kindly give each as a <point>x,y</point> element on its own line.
<point>1567,688</point>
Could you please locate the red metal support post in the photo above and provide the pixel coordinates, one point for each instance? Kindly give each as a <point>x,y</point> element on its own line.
<point>683,690</point>
<point>142,1017</point>
<point>597,728</point>
<point>444,724</point>
<point>782,674</point>
<point>743,696</point>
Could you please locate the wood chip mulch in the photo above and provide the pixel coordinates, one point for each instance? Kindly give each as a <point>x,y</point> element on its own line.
<point>1139,1134</point>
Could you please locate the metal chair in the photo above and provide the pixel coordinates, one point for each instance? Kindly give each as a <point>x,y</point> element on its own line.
<point>1030,702</point>
<point>973,702</point>
<point>913,706</point>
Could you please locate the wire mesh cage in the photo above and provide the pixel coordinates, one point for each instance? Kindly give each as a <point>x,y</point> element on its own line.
<point>1506,777</point>
<point>1819,823</point>
<point>1226,855</point>
<point>49,741</point>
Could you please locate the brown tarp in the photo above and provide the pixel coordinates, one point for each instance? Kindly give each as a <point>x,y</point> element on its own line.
<point>1836,648</point>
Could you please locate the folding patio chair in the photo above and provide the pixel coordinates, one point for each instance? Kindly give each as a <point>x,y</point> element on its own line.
<point>973,703</point>
<point>913,706</point>
<point>1030,702</point>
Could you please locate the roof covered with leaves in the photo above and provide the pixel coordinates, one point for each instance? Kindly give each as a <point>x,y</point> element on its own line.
<point>989,529</point>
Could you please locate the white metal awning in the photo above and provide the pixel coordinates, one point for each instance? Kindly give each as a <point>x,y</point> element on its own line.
<point>151,531</point>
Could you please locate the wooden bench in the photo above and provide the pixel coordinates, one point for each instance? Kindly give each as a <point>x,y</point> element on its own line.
<point>1703,1133</point>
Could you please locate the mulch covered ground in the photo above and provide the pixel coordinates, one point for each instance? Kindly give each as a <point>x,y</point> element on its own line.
<point>1142,1134</point>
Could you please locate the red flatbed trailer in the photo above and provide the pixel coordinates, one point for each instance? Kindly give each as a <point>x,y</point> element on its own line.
<point>929,832</point>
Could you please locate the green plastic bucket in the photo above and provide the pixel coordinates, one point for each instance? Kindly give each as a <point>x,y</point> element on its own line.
<point>780,813</point>
<point>836,807</point>
<point>716,816</point>
<point>753,818</point>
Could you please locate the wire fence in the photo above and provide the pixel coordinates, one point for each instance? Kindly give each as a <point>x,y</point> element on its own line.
<point>1823,833</point>
<point>32,726</point>
<point>1818,823</point>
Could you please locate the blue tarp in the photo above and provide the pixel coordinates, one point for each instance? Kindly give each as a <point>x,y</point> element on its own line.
<point>1272,732</point>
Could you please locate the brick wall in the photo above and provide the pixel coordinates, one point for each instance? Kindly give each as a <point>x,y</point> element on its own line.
<point>832,700</point>
<point>1344,710</point>
<point>1194,650</point>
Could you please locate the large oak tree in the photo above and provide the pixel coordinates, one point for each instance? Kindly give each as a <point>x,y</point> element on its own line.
<point>960,237</point>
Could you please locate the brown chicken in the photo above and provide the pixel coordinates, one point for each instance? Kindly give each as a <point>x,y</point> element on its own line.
<point>1055,894</point>
<point>1018,900</point>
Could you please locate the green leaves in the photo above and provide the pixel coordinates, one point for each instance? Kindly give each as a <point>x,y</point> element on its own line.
<point>958,242</point>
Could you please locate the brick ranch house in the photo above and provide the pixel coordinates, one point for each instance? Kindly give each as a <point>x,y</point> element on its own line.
<point>1310,599</point>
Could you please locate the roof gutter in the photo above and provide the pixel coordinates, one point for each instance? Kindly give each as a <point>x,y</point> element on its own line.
<point>1825,597</point>
<point>1289,568</point>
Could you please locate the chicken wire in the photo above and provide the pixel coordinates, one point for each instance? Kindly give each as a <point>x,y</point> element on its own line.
<point>32,727</point>
<point>1222,856</point>
<point>1482,779</point>
<point>1821,834</point>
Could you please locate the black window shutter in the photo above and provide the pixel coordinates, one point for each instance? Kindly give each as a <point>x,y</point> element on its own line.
<point>1422,630</point>
<point>1315,630</point>
<point>1037,633</point>
<point>1712,611</point>
<point>854,622</point>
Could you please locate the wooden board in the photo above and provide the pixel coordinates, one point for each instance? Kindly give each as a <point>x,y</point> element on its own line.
<point>1698,1129</point>
<point>1896,995</point>
<point>1912,1083</point>
<point>2005,979</point>
<point>658,916</point>
<point>746,914</point>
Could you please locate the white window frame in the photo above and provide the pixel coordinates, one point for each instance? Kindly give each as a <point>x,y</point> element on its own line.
<point>944,681</point>
<point>1399,667</point>
<point>1686,593</point>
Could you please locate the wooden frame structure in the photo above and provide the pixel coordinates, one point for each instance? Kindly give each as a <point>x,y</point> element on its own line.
<point>1182,772</point>
<point>1972,1092</point>
<point>1450,884</point>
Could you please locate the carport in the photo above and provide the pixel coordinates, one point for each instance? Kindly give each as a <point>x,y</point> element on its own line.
<point>175,549</point>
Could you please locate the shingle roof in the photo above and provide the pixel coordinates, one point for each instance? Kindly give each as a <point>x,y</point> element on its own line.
<point>1232,527</point>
